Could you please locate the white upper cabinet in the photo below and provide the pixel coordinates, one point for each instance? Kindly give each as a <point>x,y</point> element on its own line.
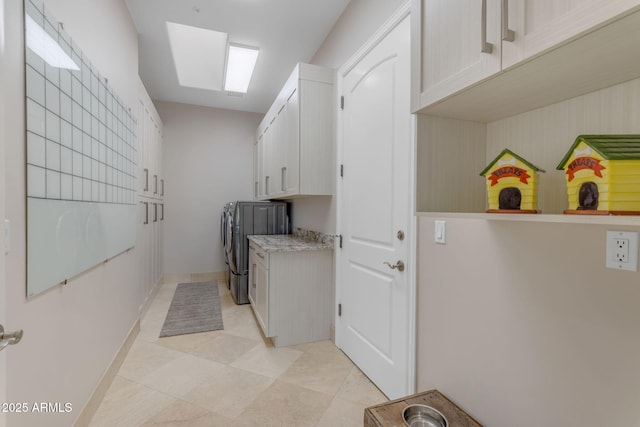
<point>291,147</point>
<point>258,157</point>
<point>295,140</point>
<point>150,177</point>
<point>537,25</point>
<point>459,45</point>
<point>482,60</point>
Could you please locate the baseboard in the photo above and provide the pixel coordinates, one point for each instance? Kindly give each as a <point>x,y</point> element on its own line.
<point>101,389</point>
<point>149,299</point>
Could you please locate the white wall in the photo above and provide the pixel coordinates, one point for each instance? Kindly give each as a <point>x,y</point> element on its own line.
<point>208,161</point>
<point>71,333</point>
<point>360,19</point>
<point>522,325</point>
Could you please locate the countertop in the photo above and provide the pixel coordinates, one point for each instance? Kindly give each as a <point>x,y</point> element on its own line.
<point>289,243</point>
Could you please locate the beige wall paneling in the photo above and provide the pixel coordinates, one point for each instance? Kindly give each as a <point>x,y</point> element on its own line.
<point>543,136</point>
<point>450,156</point>
<point>521,324</point>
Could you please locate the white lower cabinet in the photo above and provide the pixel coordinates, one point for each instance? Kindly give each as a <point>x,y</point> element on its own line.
<point>290,293</point>
<point>259,285</point>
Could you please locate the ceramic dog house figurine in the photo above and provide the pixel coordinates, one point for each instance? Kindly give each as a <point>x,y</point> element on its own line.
<point>512,184</point>
<point>603,175</point>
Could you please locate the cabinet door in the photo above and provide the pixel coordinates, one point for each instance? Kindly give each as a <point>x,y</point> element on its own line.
<point>258,168</point>
<point>252,276</point>
<point>452,53</point>
<point>541,24</point>
<point>262,296</point>
<point>277,154</point>
<point>291,171</point>
<point>268,155</point>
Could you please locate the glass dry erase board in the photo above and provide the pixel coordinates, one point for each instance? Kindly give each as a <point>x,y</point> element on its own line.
<point>81,158</point>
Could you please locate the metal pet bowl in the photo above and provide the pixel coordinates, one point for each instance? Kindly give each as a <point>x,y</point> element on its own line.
<point>423,416</point>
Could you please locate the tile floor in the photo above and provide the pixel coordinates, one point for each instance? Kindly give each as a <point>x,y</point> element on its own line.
<point>232,378</point>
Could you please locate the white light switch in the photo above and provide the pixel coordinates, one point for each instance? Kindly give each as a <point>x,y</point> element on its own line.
<point>440,232</point>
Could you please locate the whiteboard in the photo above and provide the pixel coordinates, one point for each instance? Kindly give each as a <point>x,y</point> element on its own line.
<point>81,158</point>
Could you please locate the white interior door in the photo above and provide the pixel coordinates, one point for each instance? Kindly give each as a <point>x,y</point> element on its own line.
<point>375,328</point>
<point>3,359</point>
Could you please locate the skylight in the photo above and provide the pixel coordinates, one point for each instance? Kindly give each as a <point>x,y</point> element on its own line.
<point>240,65</point>
<point>198,55</point>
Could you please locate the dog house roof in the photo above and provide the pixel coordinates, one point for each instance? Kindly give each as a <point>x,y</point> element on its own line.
<point>507,151</point>
<point>610,147</point>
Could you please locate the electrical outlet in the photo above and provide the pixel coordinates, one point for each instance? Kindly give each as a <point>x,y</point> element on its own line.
<point>622,250</point>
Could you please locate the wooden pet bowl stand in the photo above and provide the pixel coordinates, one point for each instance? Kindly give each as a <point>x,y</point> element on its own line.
<point>389,414</point>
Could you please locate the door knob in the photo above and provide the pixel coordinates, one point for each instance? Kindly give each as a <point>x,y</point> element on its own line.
<point>399,265</point>
<point>9,338</point>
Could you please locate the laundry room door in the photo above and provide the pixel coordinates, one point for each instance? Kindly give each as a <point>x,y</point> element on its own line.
<point>376,276</point>
<point>3,293</point>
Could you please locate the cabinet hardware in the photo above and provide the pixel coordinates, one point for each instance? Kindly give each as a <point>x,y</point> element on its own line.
<point>507,34</point>
<point>339,310</point>
<point>253,277</point>
<point>155,184</point>
<point>266,185</point>
<point>155,212</point>
<point>486,47</point>
<point>255,190</point>
<point>146,213</point>
<point>146,179</point>
<point>161,211</point>
<point>341,171</point>
<point>162,187</point>
<point>283,187</point>
<point>400,235</point>
<point>342,102</point>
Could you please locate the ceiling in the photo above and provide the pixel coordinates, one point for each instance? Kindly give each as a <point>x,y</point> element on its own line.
<point>286,31</point>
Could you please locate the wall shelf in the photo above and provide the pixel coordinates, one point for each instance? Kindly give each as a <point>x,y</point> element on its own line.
<point>552,218</point>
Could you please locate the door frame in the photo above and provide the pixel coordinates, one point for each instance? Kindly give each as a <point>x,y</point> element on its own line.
<point>403,12</point>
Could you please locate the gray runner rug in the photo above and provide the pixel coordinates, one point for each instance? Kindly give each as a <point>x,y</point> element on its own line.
<point>195,308</point>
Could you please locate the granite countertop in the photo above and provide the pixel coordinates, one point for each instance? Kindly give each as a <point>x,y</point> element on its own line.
<point>301,240</point>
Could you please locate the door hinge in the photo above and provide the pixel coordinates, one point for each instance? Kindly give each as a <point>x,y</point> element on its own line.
<point>342,102</point>
<point>340,241</point>
<point>339,310</point>
<point>341,171</point>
